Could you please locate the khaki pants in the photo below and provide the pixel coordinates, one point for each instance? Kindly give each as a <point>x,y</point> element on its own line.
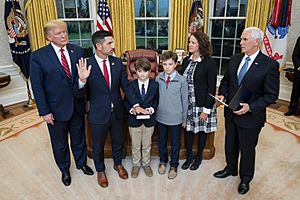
<point>141,137</point>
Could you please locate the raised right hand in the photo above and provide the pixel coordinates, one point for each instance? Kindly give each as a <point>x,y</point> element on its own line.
<point>83,71</point>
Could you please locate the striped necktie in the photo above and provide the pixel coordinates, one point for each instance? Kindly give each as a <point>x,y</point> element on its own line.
<point>65,64</point>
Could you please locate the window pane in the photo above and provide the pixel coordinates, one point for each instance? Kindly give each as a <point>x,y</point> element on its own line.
<point>87,44</point>
<point>83,9</point>
<point>85,29</point>
<point>140,43</point>
<point>216,47</point>
<point>228,46</point>
<point>217,28</point>
<point>219,8</point>
<point>59,8</point>
<point>150,8</point>
<point>77,42</point>
<point>163,44</point>
<point>243,8</point>
<point>240,27</point>
<point>151,43</point>
<point>139,8</point>
<point>229,28</point>
<point>232,7</point>
<point>163,8</point>
<point>163,27</point>
<point>237,46</point>
<point>140,27</point>
<point>224,65</point>
<point>73,30</point>
<point>217,60</point>
<point>70,9</point>
<point>151,27</point>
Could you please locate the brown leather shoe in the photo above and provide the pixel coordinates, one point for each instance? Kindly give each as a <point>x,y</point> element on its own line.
<point>102,179</point>
<point>121,171</point>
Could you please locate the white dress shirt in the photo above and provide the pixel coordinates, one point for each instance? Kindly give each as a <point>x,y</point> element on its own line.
<point>58,53</point>
<point>252,58</point>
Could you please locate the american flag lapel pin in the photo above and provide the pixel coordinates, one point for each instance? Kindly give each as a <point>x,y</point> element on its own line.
<point>72,51</point>
<point>256,63</point>
<point>113,63</point>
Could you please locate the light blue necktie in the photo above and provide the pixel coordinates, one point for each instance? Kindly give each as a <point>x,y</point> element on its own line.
<point>243,70</point>
<point>143,92</point>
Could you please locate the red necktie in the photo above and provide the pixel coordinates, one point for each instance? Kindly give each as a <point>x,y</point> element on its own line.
<point>168,80</point>
<point>65,64</point>
<point>105,72</point>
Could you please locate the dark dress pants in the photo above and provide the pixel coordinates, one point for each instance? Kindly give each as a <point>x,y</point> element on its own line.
<point>295,94</point>
<point>243,140</point>
<point>59,141</point>
<point>162,133</point>
<point>99,135</point>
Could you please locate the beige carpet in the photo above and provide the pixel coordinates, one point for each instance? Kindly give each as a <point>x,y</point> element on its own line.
<point>28,171</point>
<point>15,125</point>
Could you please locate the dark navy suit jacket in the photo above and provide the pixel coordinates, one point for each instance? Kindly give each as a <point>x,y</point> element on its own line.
<point>100,96</point>
<point>53,91</point>
<point>262,79</point>
<point>150,100</point>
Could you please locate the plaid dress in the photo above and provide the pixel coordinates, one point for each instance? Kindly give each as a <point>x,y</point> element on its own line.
<point>193,117</point>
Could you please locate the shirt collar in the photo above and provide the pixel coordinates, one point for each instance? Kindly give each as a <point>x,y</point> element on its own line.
<point>146,83</point>
<point>57,48</point>
<point>100,60</point>
<point>199,59</point>
<point>252,57</point>
<point>172,76</point>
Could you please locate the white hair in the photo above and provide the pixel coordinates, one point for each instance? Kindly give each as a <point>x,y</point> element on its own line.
<point>256,33</point>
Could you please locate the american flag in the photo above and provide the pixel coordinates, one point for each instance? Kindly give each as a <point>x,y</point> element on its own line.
<point>12,33</point>
<point>103,17</point>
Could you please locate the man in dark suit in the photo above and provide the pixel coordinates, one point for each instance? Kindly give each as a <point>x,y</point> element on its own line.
<point>54,81</point>
<point>296,83</point>
<point>259,74</point>
<point>103,79</point>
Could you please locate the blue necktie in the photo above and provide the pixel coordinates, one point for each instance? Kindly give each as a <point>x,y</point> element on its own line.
<point>143,92</point>
<point>243,70</point>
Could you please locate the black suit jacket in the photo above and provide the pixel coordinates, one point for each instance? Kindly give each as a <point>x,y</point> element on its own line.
<point>53,91</point>
<point>262,79</point>
<point>150,100</point>
<point>205,81</point>
<point>296,59</point>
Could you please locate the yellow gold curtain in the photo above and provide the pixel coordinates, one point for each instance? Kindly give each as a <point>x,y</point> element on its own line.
<point>179,22</point>
<point>122,16</point>
<point>38,12</point>
<point>258,13</point>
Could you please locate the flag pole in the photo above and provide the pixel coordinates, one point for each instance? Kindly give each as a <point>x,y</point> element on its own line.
<point>30,102</point>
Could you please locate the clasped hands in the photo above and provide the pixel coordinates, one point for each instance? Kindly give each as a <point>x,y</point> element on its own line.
<point>245,106</point>
<point>139,110</point>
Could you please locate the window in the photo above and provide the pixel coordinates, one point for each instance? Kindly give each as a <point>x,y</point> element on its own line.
<point>152,24</point>
<point>226,24</point>
<point>80,24</point>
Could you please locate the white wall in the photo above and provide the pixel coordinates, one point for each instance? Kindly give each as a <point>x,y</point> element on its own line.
<point>16,91</point>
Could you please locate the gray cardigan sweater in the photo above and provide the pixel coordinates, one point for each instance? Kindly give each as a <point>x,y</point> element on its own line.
<point>173,100</point>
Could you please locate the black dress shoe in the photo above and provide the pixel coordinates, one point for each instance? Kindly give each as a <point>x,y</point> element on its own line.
<point>290,112</point>
<point>243,188</point>
<point>223,174</point>
<point>187,164</point>
<point>87,170</point>
<point>66,178</point>
<point>196,164</point>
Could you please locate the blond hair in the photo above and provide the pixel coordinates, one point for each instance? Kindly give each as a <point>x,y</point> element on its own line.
<point>52,24</point>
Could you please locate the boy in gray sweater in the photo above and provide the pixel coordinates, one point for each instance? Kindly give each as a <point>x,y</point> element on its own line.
<point>171,112</point>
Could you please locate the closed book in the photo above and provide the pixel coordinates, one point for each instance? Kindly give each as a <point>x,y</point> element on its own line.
<point>143,117</point>
<point>242,95</point>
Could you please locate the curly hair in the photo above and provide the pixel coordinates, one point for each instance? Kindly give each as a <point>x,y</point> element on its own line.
<point>205,47</point>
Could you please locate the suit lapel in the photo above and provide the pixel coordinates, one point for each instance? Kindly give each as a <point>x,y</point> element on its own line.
<point>56,63</point>
<point>98,72</point>
<point>113,71</point>
<point>73,61</point>
<point>236,67</point>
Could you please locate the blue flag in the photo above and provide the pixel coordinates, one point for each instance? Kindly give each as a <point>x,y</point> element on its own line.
<point>18,35</point>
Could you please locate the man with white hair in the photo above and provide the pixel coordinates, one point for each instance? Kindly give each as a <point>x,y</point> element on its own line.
<point>259,75</point>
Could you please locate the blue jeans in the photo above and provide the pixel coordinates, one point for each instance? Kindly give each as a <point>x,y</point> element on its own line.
<point>162,133</point>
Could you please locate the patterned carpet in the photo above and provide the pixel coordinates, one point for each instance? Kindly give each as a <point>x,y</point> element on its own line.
<point>28,171</point>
